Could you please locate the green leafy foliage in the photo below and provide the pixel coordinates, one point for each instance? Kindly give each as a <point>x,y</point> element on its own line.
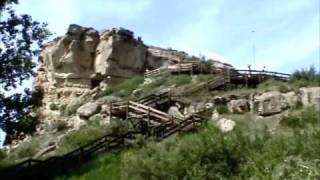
<point>61,125</point>
<point>222,109</point>
<point>54,107</point>
<point>86,134</point>
<point>3,154</point>
<point>20,38</point>
<point>306,77</point>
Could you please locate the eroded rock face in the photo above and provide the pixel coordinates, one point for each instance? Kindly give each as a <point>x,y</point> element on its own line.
<point>239,106</point>
<point>88,110</point>
<point>310,96</point>
<point>269,103</point>
<point>120,55</point>
<point>83,59</point>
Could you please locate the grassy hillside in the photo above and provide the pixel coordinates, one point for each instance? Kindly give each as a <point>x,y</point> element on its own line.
<point>291,151</point>
<point>275,147</point>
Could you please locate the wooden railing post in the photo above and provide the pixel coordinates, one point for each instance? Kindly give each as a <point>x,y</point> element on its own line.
<point>110,115</point>
<point>246,80</point>
<point>127,110</point>
<point>148,126</point>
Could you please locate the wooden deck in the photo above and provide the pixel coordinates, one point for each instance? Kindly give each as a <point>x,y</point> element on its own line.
<point>235,76</point>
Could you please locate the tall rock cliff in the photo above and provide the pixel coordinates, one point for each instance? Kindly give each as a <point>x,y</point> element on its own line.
<point>85,59</point>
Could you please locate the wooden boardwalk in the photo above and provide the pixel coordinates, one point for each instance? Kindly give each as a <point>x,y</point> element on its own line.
<point>235,76</point>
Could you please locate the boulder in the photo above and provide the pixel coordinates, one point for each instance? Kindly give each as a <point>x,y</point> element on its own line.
<point>225,125</point>
<point>76,102</point>
<point>310,96</point>
<point>174,111</point>
<point>293,99</point>
<point>239,106</point>
<point>270,103</point>
<point>102,119</point>
<point>88,110</point>
<point>107,100</point>
<point>215,115</point>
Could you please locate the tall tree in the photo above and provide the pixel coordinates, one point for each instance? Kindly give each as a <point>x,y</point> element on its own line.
<point>20,40</point>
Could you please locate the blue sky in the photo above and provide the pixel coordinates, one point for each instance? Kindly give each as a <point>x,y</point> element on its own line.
<point>286,31</point>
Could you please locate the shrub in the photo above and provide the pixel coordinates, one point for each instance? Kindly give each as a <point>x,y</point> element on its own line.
<point>28,149</point>
<point>81,137</point>
<point>178,80</point>
<point>54,107</point>
<point>306,77</point>
<point>27,124</point>
<point>61,125</point>
<point>3,155</point>
<point>309,115</point>
<point>222,109</point>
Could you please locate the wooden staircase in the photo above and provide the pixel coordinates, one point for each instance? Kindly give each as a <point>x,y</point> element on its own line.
<point>165,124</point>
<point>47,169</point>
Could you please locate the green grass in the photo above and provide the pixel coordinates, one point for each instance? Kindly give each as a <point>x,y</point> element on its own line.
<point>125,88</point>
<point>165,80</point>
<point>86,134</point>
<point>211,154</point>
<point>103,167</point>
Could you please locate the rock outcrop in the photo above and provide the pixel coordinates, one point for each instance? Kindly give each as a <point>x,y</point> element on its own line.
<point>310,96</point>
<point>238,106</point>
<point>270,103</point>
<point>73,66</point>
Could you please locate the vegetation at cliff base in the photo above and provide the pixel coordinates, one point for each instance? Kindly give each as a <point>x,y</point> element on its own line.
<point>289,152</point>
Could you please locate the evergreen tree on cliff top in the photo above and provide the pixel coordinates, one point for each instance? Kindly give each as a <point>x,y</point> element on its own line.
<point>20,40</point>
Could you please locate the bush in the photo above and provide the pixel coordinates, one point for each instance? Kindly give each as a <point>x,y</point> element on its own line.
<point>27,124</point>
<point>61,125</point>
<point>54,107</point>
<point>309,115</point>
<point>222,109</point>
<point>87,134</point>
<point>309,75</point>
<point>79,138</point>
<point>3,155</point>
<point>178,80</point>
<point>27,149</point>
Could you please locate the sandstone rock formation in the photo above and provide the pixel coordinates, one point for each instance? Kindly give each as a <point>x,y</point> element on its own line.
<point>88,110</point>
<point>310,96</point>
<point>238,106</point>
<point>270,103</point>
<point>73,66</point>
